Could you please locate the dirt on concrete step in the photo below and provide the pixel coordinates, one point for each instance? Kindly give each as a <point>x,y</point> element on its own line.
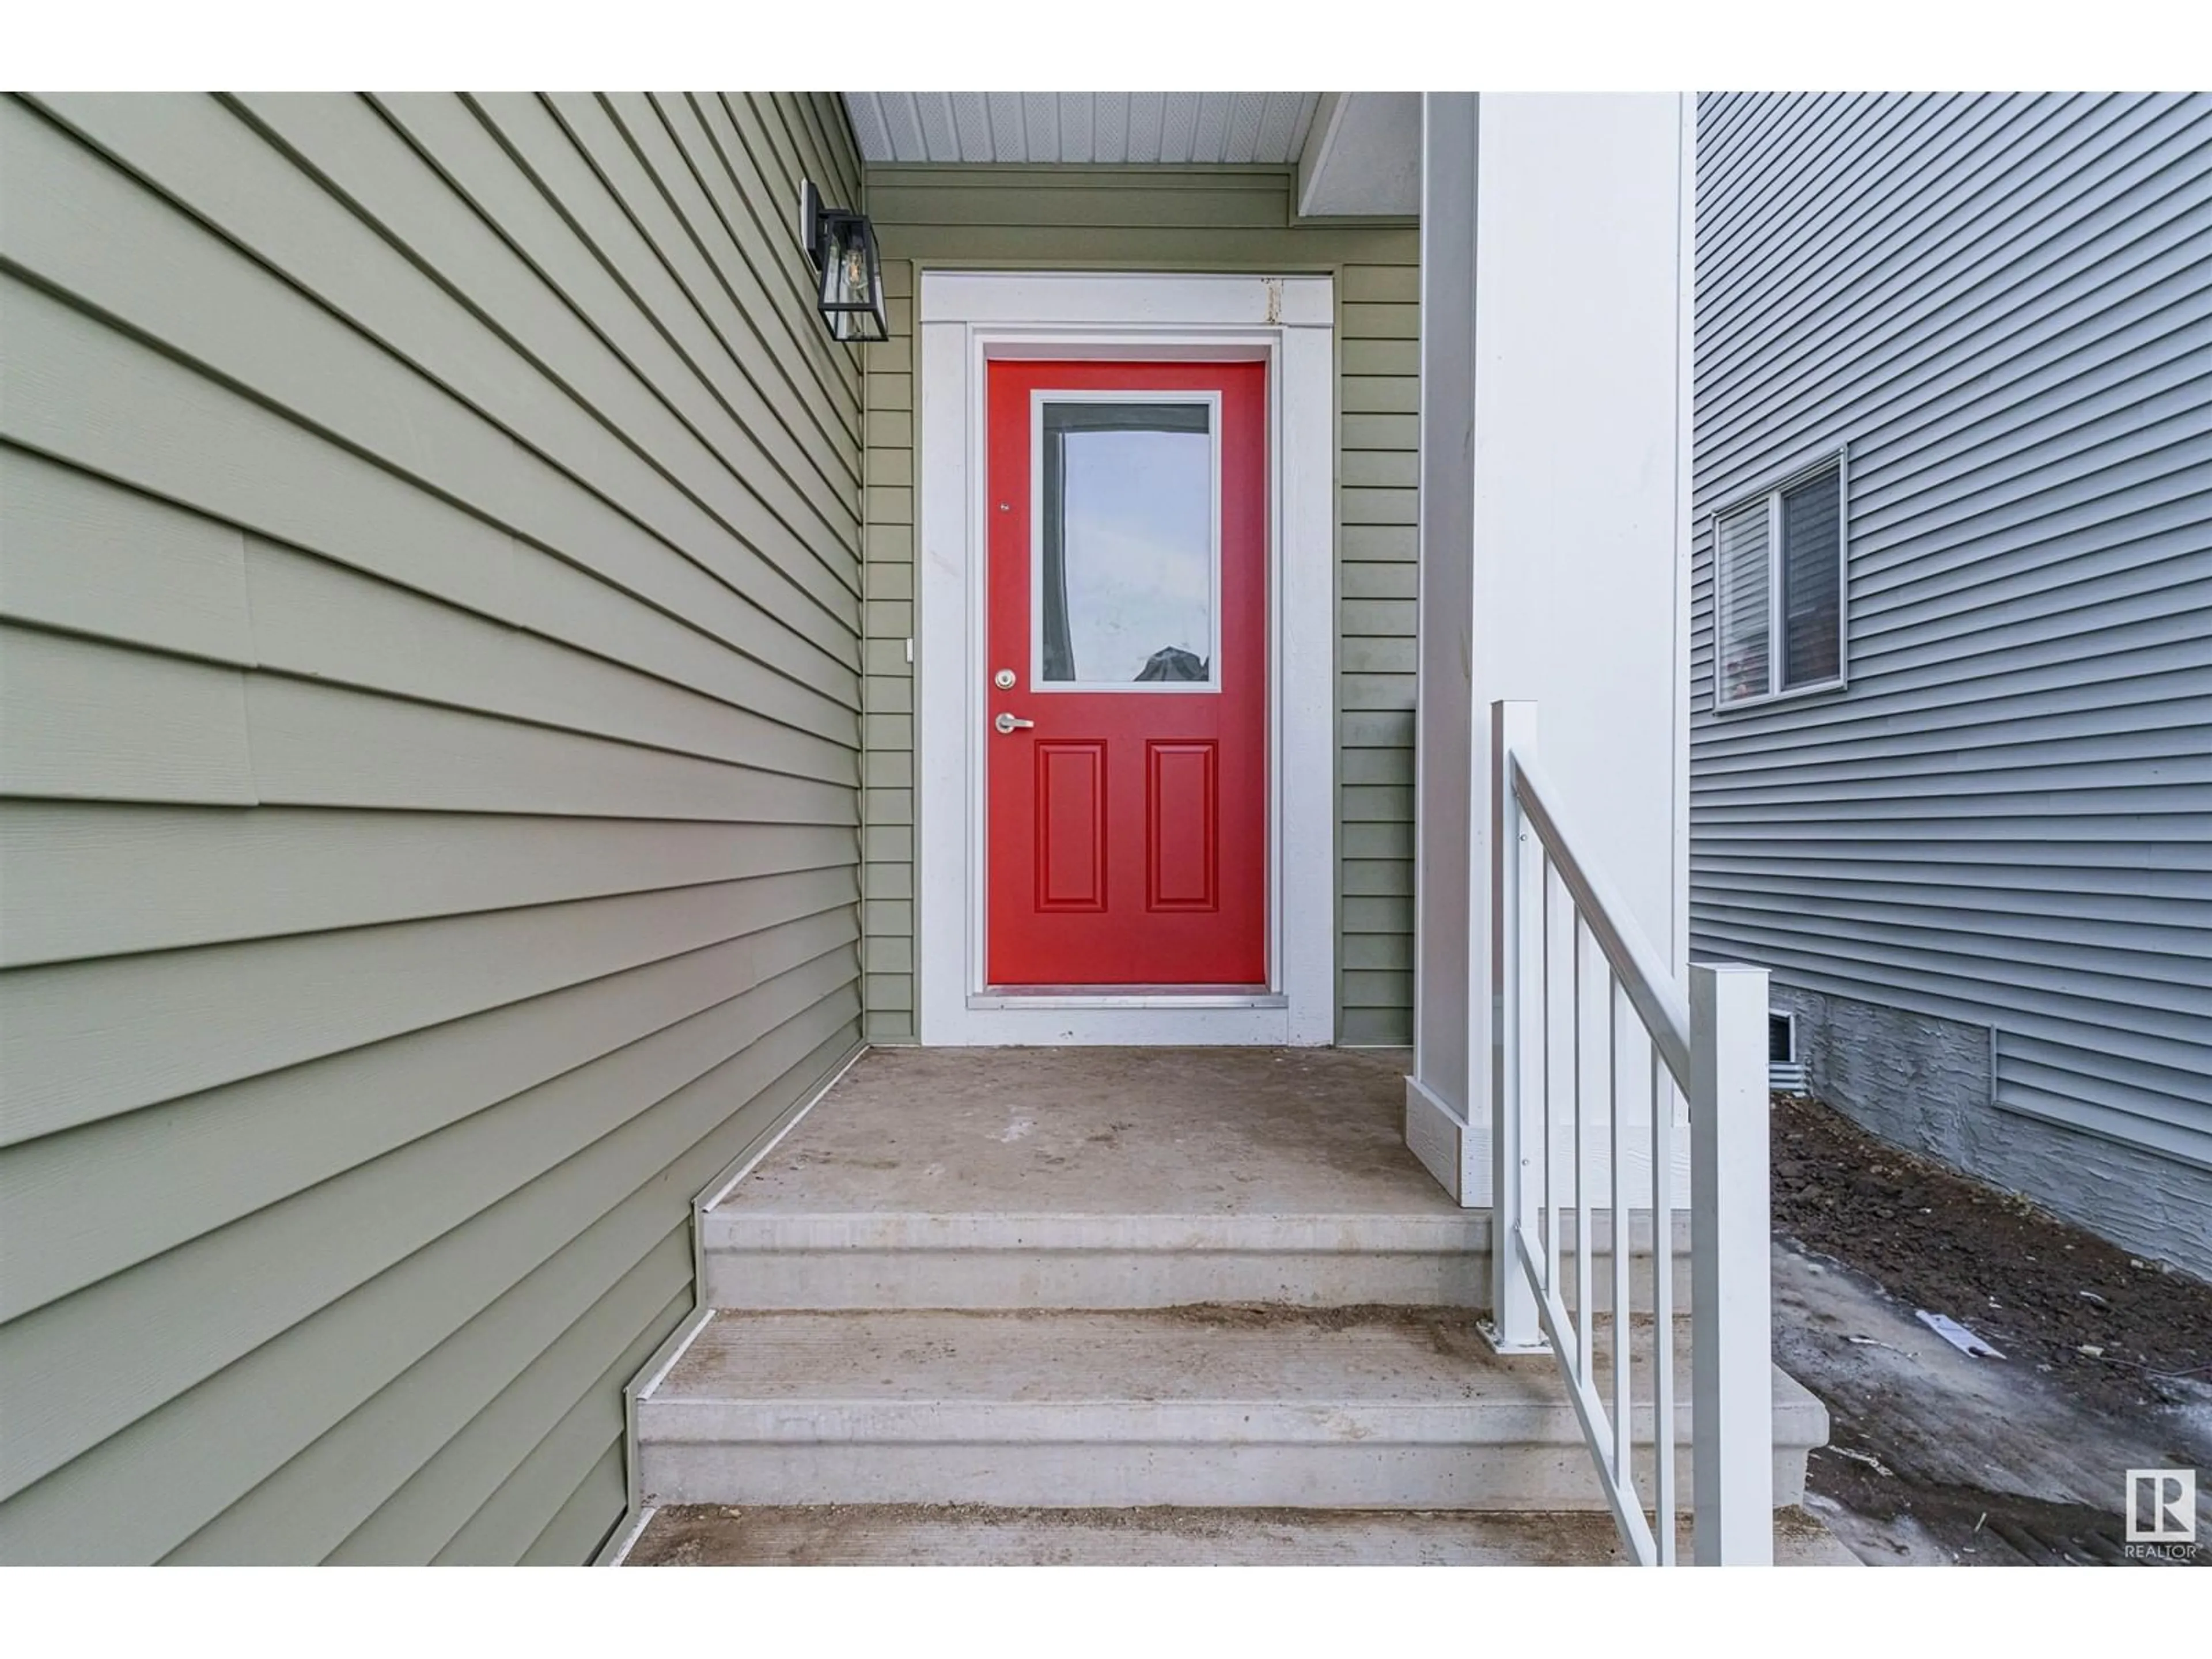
<point>1451,1331</point>
<point>971,1534</point>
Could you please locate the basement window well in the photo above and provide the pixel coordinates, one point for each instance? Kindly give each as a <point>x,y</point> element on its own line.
<point>1785,1072</point>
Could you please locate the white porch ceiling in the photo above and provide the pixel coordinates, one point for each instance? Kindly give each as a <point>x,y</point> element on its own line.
<point>1111,127</point>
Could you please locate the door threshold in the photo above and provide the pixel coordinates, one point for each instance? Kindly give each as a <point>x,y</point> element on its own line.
<point>1127,996</point>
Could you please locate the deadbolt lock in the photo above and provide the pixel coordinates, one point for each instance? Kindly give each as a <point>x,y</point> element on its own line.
<point>1004,679</point>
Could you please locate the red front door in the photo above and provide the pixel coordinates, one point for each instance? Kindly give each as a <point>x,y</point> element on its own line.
<point>1128,628</point>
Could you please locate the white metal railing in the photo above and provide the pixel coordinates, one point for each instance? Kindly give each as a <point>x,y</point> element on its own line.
<point>1596,1036</point>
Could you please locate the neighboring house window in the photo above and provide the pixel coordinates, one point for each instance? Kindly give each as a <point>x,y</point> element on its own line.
<point>1778,589</point>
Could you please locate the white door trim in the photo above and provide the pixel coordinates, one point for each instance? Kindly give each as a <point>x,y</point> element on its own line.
<point>965,318</point>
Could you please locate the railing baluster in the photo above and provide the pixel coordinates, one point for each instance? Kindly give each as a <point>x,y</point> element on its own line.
<point>1663,1308</point>
<point>1542,1150</point>
<point>1623,1323</point>
<point>1535,1043</point>
<point>1558,1053</point>
<point>1593,1028</point>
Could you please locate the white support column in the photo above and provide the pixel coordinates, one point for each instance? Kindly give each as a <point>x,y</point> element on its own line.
<point>1555,315</point>
<point>1448,1095</point>
<point>1517,1045</point>
<point>1731,1364</point>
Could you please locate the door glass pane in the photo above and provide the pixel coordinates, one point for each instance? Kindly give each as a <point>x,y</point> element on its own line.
<point>1125,576</point>
<point>1812,581</point>
<point>1741,580</point>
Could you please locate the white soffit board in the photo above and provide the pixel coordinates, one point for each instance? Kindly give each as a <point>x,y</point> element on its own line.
<point>1114,128</point>
<point>1363,157</point>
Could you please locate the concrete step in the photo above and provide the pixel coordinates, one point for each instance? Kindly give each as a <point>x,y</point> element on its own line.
<point>762,1257</point>
<point>1394,1408</point>
<point>712,1535</point>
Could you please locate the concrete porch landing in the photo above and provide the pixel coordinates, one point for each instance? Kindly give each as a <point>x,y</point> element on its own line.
<point>1004,1178</point>
<point>1162,1130</point>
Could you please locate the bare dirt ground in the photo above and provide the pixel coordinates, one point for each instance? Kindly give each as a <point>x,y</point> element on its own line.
<point>1936,1456</point>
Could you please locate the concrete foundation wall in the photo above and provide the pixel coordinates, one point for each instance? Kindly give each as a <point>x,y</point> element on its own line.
<point>1927,1084</point>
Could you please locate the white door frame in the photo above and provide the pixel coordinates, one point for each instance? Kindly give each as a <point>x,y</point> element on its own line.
<point>966,318</point>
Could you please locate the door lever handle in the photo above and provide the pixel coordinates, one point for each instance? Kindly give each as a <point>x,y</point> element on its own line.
<point>1007,724</point>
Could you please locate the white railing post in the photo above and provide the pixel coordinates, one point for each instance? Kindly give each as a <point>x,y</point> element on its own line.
<point>1731,1365</point>
<point>1517,1045</point>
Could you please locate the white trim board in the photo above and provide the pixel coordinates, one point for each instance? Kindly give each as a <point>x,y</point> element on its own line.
<point>625,1537</point>
<point>965,319</point>
<point>1454,1150</point>
<point>1458,1154</point>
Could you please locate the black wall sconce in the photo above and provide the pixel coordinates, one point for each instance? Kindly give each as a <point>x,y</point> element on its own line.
<point>843,248</point>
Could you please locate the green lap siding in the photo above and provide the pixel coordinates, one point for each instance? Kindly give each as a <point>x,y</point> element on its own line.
<point>1170,219</point>
<point>431,792</point>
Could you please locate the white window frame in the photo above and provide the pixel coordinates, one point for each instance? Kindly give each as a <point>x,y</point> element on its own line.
<point>1771,491</point>
<point>1211,403</point>
<point>1789,1018</point>
<point>965,320</point>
